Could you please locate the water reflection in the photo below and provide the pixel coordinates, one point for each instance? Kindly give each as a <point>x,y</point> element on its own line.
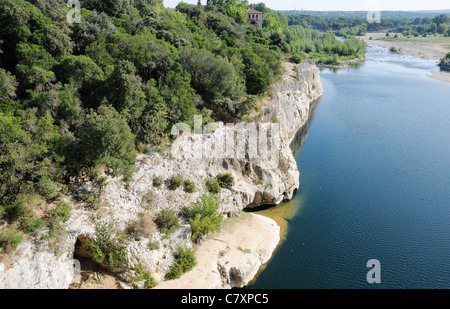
<point>300,137</point>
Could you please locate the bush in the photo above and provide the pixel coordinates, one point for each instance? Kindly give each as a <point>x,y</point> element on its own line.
<point>91,199</point>
<point>107,140</point>
<point>297,58</point>
<point>212,185</point>
<point>167,221</point>
<point>10,238</point>
<point>153,245</point>
<point>61,211</point>
<point>107,248</point>
<point>148,199</point>
<point>15,211</point>
<point>189,186</point>
<point>142,226</point>
<point>175,182</point>
<point>31,223</point>
<point>47,188</point>
<point>183,261</point>
<point>22,213</point>
<point>225,180</point>
<point>158,181</point>
<point>204,216</point>
<point>445,59</point>
<point>142,274</point>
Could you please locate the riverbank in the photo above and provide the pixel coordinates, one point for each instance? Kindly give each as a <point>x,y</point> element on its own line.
<point>232,257</point>
<point>428,48</point>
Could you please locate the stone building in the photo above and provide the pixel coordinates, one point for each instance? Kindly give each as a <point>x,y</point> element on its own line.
<point>255,18</point>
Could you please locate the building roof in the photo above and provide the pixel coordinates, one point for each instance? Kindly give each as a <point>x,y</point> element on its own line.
<point>252,11</point>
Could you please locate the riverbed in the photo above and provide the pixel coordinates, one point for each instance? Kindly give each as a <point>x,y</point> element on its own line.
<point>374,181</point>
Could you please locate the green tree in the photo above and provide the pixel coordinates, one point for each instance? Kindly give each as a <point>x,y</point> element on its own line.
<point>107,140</point>
<point>441,19</point>
<point>175,88</point>
<point>257,72</point>
<point>86,32</point>
<point>204,216</point>
<point>27,153</point>
<point>154,123</point>
<point>82,72</point>
<point>213,77</point>
<point>125,93</point>
<point>8,85</point>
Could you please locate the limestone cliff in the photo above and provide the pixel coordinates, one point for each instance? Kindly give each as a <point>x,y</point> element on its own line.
<point>36,263</point>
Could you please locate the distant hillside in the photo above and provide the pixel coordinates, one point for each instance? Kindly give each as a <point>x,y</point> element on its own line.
<point>363,14</point>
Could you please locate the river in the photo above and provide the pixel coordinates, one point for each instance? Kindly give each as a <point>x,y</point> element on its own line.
<point>374,163</point>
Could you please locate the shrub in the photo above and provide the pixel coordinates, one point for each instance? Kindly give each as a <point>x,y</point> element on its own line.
<point>148,199</point>
<point>212,185</point>
<point>22,213</point>
<point>189,186</point>
<point>142,274</point>
<point>61,211</point>
<point>445,59</point>
<point>107,248</point>
<point>15,211</point>
<point>167,221</point>
<point>91,199</point>
<point>31,223</point>
<point>225,180</point>
<point>47,188</point>
<point>10,238</point>
<point>175,182</point>
<point>153,245</point>
<point>158,181</point>
<point>142,226</point>
<point>204,216</point>
<point>297,58</point>
<point>183,261</point>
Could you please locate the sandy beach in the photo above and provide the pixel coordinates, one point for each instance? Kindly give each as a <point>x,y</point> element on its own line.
<point>429,48</point>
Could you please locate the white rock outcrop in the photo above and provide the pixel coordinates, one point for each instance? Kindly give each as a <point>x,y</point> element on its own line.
<point>35,265</point>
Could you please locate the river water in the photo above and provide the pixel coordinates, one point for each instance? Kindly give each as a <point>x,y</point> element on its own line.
<point>374,163</point>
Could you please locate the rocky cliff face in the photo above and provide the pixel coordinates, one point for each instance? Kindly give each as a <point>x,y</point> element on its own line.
<point>261,178</point>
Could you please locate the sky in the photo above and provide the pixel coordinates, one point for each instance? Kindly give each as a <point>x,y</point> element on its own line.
<point>343,5</point>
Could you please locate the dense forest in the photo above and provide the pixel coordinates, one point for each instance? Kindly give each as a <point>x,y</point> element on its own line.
<point>345,26</point>
<point>86,97</point>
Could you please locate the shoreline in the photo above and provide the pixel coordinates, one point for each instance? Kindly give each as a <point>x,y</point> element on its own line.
<point>226,251</point>
<point>421,48</point>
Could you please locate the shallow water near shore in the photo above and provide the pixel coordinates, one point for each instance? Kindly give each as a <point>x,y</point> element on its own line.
<point>374,163</point>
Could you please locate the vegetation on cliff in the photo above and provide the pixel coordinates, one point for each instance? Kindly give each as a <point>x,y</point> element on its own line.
<point>84,97</point>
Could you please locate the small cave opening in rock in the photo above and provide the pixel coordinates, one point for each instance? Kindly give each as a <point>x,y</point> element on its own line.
<point>93,275</point>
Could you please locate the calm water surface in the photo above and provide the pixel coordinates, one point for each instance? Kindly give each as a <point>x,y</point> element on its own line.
<point>375,182</point>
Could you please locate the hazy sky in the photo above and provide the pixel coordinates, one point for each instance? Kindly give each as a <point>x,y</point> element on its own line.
<point>343,5</point>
